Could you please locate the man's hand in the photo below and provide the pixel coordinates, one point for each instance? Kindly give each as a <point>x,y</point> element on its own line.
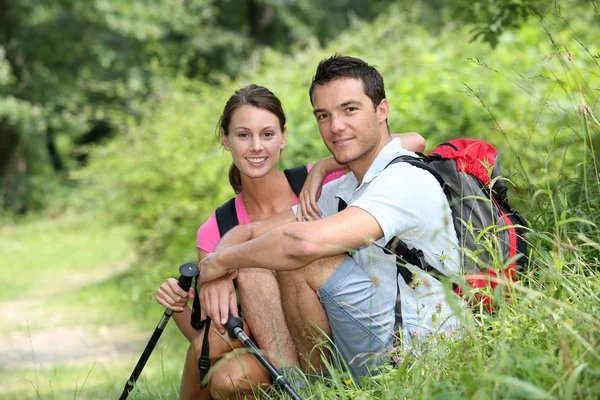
<point>217,300</point>
<point>210,269</point>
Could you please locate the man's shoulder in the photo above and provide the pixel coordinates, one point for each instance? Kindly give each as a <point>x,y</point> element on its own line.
<point>403,172</point>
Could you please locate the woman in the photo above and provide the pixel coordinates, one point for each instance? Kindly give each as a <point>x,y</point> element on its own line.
<point>253,128</point>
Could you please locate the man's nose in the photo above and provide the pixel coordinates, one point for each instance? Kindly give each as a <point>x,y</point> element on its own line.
<point>337,124</point>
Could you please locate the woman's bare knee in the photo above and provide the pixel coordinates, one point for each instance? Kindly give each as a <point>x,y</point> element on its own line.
<point>238,375</point>
<point>218,344</point>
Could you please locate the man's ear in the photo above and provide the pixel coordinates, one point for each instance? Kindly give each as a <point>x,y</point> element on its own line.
<point>225,140</point>
<point>284,141</point>
<point>383,109</point>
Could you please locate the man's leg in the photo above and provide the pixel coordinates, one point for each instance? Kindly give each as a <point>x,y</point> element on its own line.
<point>304,313</point>
<point>262,309</point>
<point>336,295</point>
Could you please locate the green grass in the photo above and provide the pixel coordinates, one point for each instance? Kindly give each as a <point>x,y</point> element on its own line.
<point>543,345</point>
<point>77,312</point>
<point>47,255</point>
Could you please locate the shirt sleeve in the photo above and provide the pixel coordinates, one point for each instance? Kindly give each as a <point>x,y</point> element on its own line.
<point>208,235</point>
<point>405,199</point>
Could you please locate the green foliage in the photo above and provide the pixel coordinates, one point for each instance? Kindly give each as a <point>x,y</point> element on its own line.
<point>66,64</point>
<point>167,173</point>
<point>525,97</point>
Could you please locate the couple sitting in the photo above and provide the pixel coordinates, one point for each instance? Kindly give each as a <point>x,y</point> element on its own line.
<point>308,274</point>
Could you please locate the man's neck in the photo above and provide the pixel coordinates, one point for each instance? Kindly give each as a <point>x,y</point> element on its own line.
<point>360,167</point>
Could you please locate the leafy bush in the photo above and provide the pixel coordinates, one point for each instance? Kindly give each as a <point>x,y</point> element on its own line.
<point>167,173</point>
<point>534,96</point>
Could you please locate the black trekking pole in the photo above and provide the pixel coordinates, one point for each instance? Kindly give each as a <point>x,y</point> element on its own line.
<point>234,327</point>
<point>187,272</point>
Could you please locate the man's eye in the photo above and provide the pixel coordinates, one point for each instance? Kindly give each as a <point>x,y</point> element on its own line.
<point>350,109</point>
<point>321,116</point>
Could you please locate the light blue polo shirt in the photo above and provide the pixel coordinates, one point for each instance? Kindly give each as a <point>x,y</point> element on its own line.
<point>407,202</point>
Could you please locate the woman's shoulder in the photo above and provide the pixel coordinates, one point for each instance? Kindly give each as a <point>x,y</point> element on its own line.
<point>208,235</point>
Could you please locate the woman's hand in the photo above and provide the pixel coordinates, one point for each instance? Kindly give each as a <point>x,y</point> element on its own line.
<point>311,192</point>
<point>171,296</point>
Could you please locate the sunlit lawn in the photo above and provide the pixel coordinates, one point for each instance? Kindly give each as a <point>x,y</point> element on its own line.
<point>76,315</point>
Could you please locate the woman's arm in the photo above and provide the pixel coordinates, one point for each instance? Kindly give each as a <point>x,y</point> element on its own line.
<point>411,141</point>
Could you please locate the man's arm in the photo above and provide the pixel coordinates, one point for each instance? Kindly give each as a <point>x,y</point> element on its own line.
<point>295,244</point>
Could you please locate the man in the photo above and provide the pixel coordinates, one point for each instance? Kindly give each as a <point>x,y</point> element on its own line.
<point>352,299</point>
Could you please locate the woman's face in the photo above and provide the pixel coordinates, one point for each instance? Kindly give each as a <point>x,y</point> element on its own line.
<point>255,140</point>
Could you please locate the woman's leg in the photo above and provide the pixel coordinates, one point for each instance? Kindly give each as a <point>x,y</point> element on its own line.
<point>231,371</point>
<point>238,375</point>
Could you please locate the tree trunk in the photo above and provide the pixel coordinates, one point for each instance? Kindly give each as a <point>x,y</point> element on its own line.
<point>13,169</point>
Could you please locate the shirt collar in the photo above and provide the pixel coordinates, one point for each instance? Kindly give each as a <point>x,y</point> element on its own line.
<point>387,154</point>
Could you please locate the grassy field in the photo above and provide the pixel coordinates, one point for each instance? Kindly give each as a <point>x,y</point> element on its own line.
<point>76,316</point>
<point>77,313</point>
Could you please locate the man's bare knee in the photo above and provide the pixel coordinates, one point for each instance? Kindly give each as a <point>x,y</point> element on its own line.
<point>314,274</point>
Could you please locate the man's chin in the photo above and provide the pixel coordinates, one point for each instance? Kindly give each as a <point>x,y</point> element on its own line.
<point>343,158</point>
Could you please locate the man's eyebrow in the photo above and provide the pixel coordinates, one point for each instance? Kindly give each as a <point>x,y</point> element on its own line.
<point>351,102</point>
<point>344,104</point>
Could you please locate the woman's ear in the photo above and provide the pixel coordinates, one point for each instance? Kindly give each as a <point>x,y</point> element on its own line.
<point>283,142</point>
<point>225,140</point>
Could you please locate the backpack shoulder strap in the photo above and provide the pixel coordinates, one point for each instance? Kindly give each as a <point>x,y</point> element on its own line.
<point>296,177</point>
<point>419,163</point>
<point>226,216</point>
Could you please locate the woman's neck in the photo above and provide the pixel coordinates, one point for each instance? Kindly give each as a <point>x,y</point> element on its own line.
<point>267,196</point>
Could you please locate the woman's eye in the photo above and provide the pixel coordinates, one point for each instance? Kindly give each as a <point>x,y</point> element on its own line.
<point>269,134</point>
<point>242,135</point>
<point>321,116</point>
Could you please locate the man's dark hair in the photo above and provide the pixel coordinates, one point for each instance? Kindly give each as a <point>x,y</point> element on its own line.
<point>338,66</point>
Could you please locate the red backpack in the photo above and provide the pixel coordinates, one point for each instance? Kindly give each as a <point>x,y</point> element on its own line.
<point>490,232</point>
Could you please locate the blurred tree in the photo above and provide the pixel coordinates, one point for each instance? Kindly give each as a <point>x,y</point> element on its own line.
<point>68,68</point>
<point>67,63</point>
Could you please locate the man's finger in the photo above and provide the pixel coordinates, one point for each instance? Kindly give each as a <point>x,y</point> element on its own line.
<point>216,314</point>
<point>206,303</point>
<point>233,307</point>
<point>224,306</point>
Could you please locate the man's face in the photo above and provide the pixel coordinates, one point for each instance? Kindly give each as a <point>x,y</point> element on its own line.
<point>351,129</point>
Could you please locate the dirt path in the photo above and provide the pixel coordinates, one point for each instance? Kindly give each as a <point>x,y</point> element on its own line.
<point>22,347</point>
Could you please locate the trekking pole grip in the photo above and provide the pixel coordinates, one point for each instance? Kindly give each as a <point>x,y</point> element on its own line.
<point>187,272</point>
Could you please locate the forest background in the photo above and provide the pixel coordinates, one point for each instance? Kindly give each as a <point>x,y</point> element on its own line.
<point>109,163</point>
